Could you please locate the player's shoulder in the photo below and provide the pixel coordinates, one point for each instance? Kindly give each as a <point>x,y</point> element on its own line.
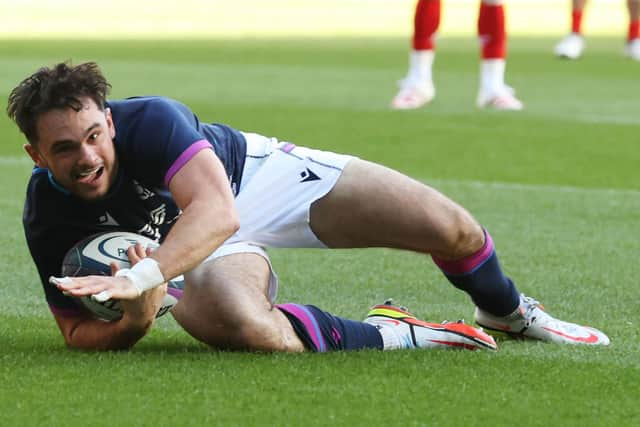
<point>149,117</point>
<point>46,208</point>
<point>47,201</point>
<point>145,105</point>
<point>41,183</point>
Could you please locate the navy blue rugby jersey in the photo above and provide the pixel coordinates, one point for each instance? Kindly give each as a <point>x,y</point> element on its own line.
<point>155,137</point>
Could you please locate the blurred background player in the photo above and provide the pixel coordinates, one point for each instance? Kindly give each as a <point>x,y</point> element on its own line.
<point>417,89</point>
<point>572,46</point>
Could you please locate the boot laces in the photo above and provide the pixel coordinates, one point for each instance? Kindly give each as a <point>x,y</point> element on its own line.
<point>530,305</point>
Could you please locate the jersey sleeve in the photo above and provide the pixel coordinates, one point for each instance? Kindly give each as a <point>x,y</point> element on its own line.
<point>165,139</point>
<point>48,261</point>
<point>48,239</point>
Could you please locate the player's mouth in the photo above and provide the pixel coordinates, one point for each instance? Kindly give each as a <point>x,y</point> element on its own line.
<point>89,176</point>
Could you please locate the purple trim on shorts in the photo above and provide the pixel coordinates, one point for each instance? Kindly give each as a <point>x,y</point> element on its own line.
<point>66,312</point>
<point>288,147</point>
<point>174,292</point>
<point>469,264</point>
<point>311,325</point>
<point>185,157</point>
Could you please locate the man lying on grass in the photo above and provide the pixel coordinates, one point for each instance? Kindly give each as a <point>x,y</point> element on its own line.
<point>215,197</point>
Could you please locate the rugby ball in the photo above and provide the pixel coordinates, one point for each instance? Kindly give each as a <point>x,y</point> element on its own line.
<point>93,256</point>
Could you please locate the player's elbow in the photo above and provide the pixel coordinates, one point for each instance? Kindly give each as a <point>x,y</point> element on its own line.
<point>226,227</point>
<point>233,222</point>
<point>83,345</point>
<point>227,223</point>
<point>90,334</point>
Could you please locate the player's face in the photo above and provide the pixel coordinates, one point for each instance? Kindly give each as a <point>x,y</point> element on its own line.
<point>77,148</point>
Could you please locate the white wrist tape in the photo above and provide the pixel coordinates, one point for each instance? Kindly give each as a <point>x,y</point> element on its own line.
<point>144,275</point>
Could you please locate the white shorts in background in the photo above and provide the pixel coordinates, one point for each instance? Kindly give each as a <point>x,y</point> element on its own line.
<point>279,183</point>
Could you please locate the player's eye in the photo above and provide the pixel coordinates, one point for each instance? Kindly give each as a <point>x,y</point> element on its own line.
<point>93,136</point>
<point>62,148</point>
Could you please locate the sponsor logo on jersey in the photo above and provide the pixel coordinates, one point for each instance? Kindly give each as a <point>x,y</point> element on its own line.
<point>107,219</point>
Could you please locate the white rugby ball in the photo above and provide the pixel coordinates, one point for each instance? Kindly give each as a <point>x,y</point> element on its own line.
<point>93,256</point>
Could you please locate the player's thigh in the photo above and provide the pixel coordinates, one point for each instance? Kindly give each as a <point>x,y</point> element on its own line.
<point>226,297</point>
<point>372,205</point>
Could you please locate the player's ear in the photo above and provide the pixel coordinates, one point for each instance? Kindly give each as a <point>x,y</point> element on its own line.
<point>35,155</point>
<point>112,128</point>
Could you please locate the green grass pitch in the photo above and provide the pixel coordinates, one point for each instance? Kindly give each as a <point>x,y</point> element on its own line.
<point>558,185</point>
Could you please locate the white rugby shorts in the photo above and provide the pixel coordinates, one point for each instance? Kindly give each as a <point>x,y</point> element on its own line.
<point>279,183</point>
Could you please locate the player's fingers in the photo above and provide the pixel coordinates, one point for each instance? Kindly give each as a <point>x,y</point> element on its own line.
<point>60,281</point>
<point>66,283</point>
<point>114,268</point>
<point>134,254</point>
<point>85,290</point>
<point>101,296</point>
<point>94,285</point>
<point>140,251</point>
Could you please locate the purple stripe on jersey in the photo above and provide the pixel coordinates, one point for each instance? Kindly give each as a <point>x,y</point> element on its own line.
<point>469,264</point>
<point>309,322</point>
<point>288,147</point>
<point>66,312</point>
<point>185,157</point>
<point>174,292</point>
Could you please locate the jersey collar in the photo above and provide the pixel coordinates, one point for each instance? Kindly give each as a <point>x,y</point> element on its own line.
<point>55,184</point>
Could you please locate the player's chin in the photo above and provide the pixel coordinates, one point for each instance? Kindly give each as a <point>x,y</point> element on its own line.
<point>91,194</point>
<point>92,188</point>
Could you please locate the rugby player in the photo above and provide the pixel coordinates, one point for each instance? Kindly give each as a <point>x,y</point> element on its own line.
<point>572,46</point>
<point>417,88</point>
<point>215,197</point>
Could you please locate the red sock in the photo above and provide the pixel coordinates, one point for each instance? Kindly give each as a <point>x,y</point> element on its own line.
<point>576,21</point>
<point>491,31</point>
<point>426,23</point>
<point>634,30</point>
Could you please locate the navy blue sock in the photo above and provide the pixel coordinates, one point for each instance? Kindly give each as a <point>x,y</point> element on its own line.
<point>481,277</point>
<point>321,331</point>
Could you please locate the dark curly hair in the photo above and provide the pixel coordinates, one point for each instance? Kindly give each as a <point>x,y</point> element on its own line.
<point>58,87</point>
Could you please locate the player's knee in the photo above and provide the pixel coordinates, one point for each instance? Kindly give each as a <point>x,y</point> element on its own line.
<point>462,237</point>
<point>264,333</point>
<point>234,329</point>
<point>253,333</point>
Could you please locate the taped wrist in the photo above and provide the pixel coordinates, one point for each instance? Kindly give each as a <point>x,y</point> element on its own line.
<point>144,275</point>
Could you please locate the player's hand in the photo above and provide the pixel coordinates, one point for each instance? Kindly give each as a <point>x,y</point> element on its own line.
<point>143,310</point>
<point>102,288</point>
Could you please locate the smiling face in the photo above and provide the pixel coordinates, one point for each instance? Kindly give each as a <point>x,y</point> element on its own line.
<point>77,147</point>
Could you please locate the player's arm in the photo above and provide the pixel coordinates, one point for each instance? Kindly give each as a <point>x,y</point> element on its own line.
<point>88,333</point>
<point>201,189</point>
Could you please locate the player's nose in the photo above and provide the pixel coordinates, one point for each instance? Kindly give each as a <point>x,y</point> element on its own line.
<point>88,155</point>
